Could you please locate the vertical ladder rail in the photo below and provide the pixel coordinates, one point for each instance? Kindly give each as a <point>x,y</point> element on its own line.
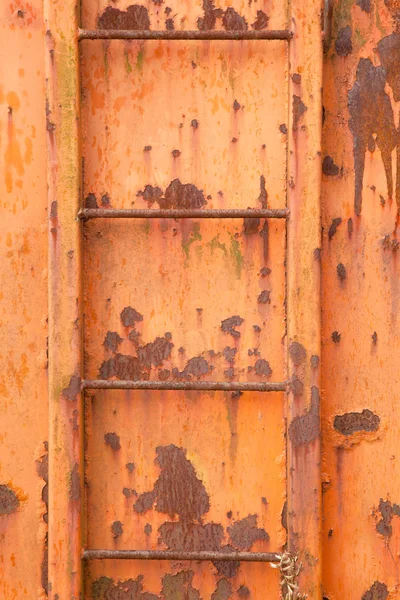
<point>303,293</point>
<point>64,281</point>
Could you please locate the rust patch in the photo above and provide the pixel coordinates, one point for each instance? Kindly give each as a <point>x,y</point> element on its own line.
<point>236,106</point>
<point>112,341</point>
<point>378,591</point>
<point>245,533</point>
<point>75,484</point>
<point>182,195</point>
<point>223,590</point>
<point>90,201</point>
<point>262,367</point>
<point>365,5</point>
<point>130,316</point>
<point>284,517</point>
<point>306,429</point>
<point>194,124</point>
<point>329,167</point>
<point>147,529</point>
<point>343,43</point>
<point>388,511</point>
<point>105,588</point>
<point>333,228</point>
<point>150,193</point>
<point>350,227</point>
<point>130,466</point>
<point>53,210</point>
<point>117,529</point>
<point>134,17</point>
<point>169,24</point>
<point>296,386</point>
<point>155,352</point>
<point>264,297</point>
<point>350,423</point>
<point>73,388</point>
<point>123,366</point>
<point>232,21</point>
<point>179,586</point>
<point>283,128</point>
<point>229,354</point>
<point>228,325</point>
<point>9,502</point>
<point>263,197</point>
<point>211,14</point>
<point>196,366</point>
<point>243,591</point>
<point>314,361</point>
<point>261,21</point>
<point>251,225</point>
<point>299,108</point>
<point>176,153</point>
<point>296,78</point>
<point>189,537</point>
<point>374,338</point>
<point>336,337</point>
<point>297,353</point>
<point>112,439</point>
<point>42,469</point>
<point>341,271</point>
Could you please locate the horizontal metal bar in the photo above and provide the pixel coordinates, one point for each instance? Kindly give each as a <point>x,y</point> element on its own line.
<point>226,386</point>
<point>183,213</point>
<point>172,555</point>
<point>124,34</point>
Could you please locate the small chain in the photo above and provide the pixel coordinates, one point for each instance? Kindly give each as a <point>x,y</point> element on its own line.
<point>289,571</point>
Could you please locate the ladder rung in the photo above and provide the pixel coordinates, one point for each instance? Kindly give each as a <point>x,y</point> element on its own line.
<point>272,557</point>
<point>226,386</point>
<point>128,34</point>
<point>183,213</point>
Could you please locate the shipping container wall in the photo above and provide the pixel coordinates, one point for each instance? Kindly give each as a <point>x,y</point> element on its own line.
<point>209,124</point>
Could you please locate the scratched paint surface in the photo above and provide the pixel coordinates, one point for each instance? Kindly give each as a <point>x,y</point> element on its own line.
<point>360,303</point>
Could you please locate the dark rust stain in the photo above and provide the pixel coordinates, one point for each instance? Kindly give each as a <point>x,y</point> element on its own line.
<point>297,353</point>
<point>223,590</point>
<point>243,591</point>
<point>130,466</point>
<point>388,511</point>
<point>261,21</point>
<point>341,271</point>
<point>117,529</point>
<point>176,153</point>
<point>371,114</point>
<point>333,228</point>
<point>105,588</point>
<point>148,149</point>
<point>245,533</point>
<point>336,337</point>
<point>236,106</point>
<point>128,492</point>
<point>169,24</point>
<point>53,210</point>
<point>296,78</point>
<point>229,354</point>
<point>365,5</point>
<point>182,195</point>
<point>130,316</point>
<point>264,297</point>
<point>75,484</point>
<point>135,17</point>
<point>189,537</point>
<point>374,338</point>
<point>262,367</point>
<point>147,529</point>
<point>9,502</point>
<point>263,197</point>
<point>232,21</point>
<point>299,108</point>
<point>296,386</point>
<point>283,128</point>
<point>314,361</point>
<point>251,225</point>
<point>228,325</point>
<point>265,271</point>
<point>154,353</point>
<point>284,516</point>
<point>124,367</point>
<point>42,469</point>
<point>112,341</point>
<point>196,366</point>
<point>106,201</point>
<point>163,374</point>
<point>179,586</point>
<point>73,388</point>
<point>112,439</point>
<point>194,124</point>
<point>306,429</point>
<point>350,227</point>
<point>150,193</point>
<point>329,167</point>
<point>211,14</point>
<point>378,591</point>
<point>350,423</point>
<point>343,43</point>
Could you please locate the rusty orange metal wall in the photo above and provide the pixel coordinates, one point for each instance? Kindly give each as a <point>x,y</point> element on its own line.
<point>125,434</point>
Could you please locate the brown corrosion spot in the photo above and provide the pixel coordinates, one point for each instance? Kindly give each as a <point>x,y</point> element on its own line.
<point>147,529</point>
<point>117,529</point>
<point>264,297</point>
<point>75,484</point>
<point>176,153</point>
<point>329,167</point>
<point>123,366</point>
<point>223,590</point>
<point>194,124</point>
<point>365,5</point>
<point>306,429</point>
<point>182,195</point>
<point>299,108</point>
<point>105,588</point>
<point>297,353</point>
<point>73,388</point>
<point>350,227</point>
<point>341,271</point>
<point>229,354</point>
<point>106,201</point>
<point>284,516</point>
<point>236,106</point>
<point>112,439</point>
<point>333,228</point>
<point>336,337</point>
<point>90,201</point>
<point>112,341</point>
<point>374,338</point>
<point>53,210</point>
<point>148,149</point>
<point>169,24</point>
<point>150,193</point>
<point>178,586</point>
<point>134,17</point>
<point>189,537</point>
<point>232,21</point>
<point>243,591</point>
<point>378,591</point>
<point>211,14</point>
<point>296,78</point>
<point>262,368</point>
<point>130,466</point>
<point>314,361</point>
<point>155,352</point>
<point>283,128</point>
<point>228,325</point>
<point>296,386</point>
<point>42,469</point>
<point>245,533</point>
<point>388,511</point>
<point>177,491</point>
<point>343,44</point>
<point>251,225</point>
<point>9,501</point>
<point>130,316</point>
<point>196,366</point>
<point>352,422</point>
<point>261,21</point>
<point>263,197</point>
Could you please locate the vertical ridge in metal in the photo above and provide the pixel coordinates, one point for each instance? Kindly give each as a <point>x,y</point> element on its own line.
<point>64,277</point>
<point>303,293</point>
